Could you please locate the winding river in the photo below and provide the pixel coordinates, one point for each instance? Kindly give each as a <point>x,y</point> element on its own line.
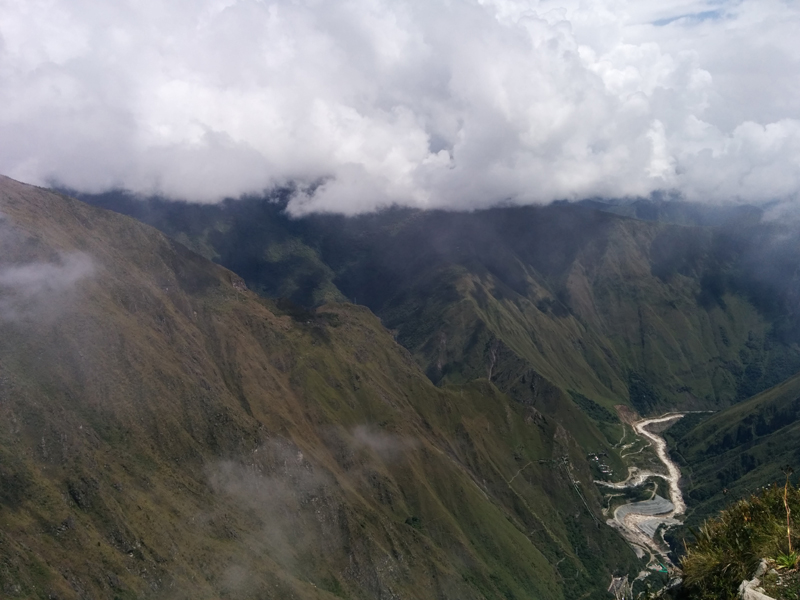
<point>639,521</point>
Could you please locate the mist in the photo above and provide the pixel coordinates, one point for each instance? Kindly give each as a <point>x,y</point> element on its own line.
<point>366,104</point>
<point>30,289</point>
<point>388,446</point>
<point>299,511</point>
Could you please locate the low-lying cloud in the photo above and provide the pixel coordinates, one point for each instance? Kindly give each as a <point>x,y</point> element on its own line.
<point>429,103</point>
<point>294,505</point>
<point>388,446</point>
<point>27,289</point>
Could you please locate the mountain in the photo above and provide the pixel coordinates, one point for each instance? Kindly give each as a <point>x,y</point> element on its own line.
<point>736,465</point>
<point>168,433</point>
<point>656,305</point>
<point>609,308</point>
<point>678,212</point>
<point>729,455</point>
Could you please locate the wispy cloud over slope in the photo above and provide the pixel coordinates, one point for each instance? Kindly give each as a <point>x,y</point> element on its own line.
<point>369,102</point>
<point>26,290</point>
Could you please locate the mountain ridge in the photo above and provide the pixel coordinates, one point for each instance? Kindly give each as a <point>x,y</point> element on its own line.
<point>666,315</point>
<point>169,433</point>
<point>531,332</point>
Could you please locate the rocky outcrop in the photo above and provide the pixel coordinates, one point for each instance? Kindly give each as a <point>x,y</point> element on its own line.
<point>751,590</point>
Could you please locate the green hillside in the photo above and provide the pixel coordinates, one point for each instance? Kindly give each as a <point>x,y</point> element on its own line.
<point>731,454</point>
<point>658,315</point>
<point>168,433</point>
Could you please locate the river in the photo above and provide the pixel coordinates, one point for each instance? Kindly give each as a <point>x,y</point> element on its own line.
<point>639,521</point>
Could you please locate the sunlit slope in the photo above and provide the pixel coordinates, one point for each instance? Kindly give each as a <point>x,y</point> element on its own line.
<point>730,454</point>
<point>167,433</point>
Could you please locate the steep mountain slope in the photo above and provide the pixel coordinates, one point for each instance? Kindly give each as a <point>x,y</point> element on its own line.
<point>610,308</point>
<point>167,433</point>
<point>729,455</point>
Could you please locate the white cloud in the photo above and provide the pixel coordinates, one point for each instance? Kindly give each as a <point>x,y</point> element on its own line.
<point>424,103</point>
<point>387,445</point>
<point>33,279</point>
<point>25,290</point>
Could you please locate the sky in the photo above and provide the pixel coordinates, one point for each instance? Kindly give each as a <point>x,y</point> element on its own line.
<point>361,104</point>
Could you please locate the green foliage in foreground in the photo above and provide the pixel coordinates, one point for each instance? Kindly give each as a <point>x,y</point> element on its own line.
<point>787,561</point>
<point>727,549</point>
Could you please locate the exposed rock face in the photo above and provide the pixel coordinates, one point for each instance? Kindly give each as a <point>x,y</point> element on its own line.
<point>751,590</point>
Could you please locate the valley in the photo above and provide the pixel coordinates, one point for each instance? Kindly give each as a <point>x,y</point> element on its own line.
<point>642,522</point>
<point>245,429</point>
<point>168,433</point>
<point>410,300</point>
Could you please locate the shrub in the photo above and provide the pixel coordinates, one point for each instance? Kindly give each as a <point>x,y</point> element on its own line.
<point>727,549</point>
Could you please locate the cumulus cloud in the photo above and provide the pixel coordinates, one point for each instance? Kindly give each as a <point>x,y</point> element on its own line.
<point>429,103</point>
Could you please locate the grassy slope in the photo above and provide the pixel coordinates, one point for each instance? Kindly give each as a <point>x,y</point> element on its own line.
<point>741,448</point>
<point>167,433</point>
<point>616,309</point>
<point>730,546</point>
<point>626,333</point>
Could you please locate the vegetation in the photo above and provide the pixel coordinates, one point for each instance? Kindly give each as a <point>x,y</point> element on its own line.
<point>168,433</point>
<point>567,310</point>
<point>727,549</point>
<point>615,309</point>
<point>787,561</point>
<point>732,453</point>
